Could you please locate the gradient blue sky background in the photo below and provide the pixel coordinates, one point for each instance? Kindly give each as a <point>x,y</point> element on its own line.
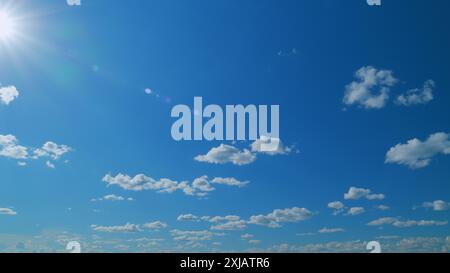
<point>82,70</point>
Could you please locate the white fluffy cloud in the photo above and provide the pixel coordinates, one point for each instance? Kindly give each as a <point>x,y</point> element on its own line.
<point>7,211</point>
<point>188,217</point>
<point>438,205</point>
<point>337,206</point>
<point>193,235</point>
<point>52,150</point>
<point>199,187</point>
<point>278,216</point>
<point>130,228</point>
<point>356,211</point>
<point>218,219</point>
<point>227,154</point>
<point>229,181</point>
<point>331,230</point>
<point>355,193</point>
<point>382,221</point>
<point>10,147</point>
<point>418,95</point>
<point>224,154</point>
<point>113,198</point>
<point>418,154</point>
<point>392,245</point>
<point>234,222</point>
<point>155,225</point>
<point>127,228</point>
<point>361,91</point>
<point>404,224</point>
<point>8,94</point>
<point>231,225</point>
<point>229,222</point>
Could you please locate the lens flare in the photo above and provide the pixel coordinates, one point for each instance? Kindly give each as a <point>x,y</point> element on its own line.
<point>7,26</point>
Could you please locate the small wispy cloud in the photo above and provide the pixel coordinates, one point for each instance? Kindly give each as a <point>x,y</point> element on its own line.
<point>331,230</point>
<point>112,198</point>
<point>417,96</point>
<point>7,211</point>
<point>438,205</point>
<point>396,222</point>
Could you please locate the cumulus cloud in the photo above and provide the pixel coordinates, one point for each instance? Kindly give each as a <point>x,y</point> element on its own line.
<point>234,222</point>
<point>361,92</point>
<point>10,148</point>
<point>130,228</point>
<point>337,206</point>
<point>229,222</point>
<point>7,211</point>
<point>382,221</point>
<point>227,154</point>
<point>355,193</point>
<point>218,219</point>
<point>52,150</point>
<point>331,230</point>
<point>113,198</point>
<point>141,182</point>
<point>438,205</point>
<point>393,245</point>
<point>405,224</point>
<point>157,225</point>
<point>224,154</point>
<point>278,216</point>
<point>383,207</point>
<point>418,154</point>
<point>8,94</point>
<point>421,223</point>
<point>271,146</point>
<point>418,95</point>
<point>195,235</point>
<point>199,187</point>
<point>231,225</point>
<point>229,181</point>
<point>188,217</point>
<point>127,228</point>
<point>356,211</point>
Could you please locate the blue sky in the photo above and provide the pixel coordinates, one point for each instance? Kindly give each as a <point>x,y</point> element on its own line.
<point>74,113</point>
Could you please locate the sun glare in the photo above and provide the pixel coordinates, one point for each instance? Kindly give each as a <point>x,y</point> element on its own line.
<point>7,26</point>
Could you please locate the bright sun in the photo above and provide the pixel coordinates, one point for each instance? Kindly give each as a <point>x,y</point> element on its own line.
<point>7,26</point>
